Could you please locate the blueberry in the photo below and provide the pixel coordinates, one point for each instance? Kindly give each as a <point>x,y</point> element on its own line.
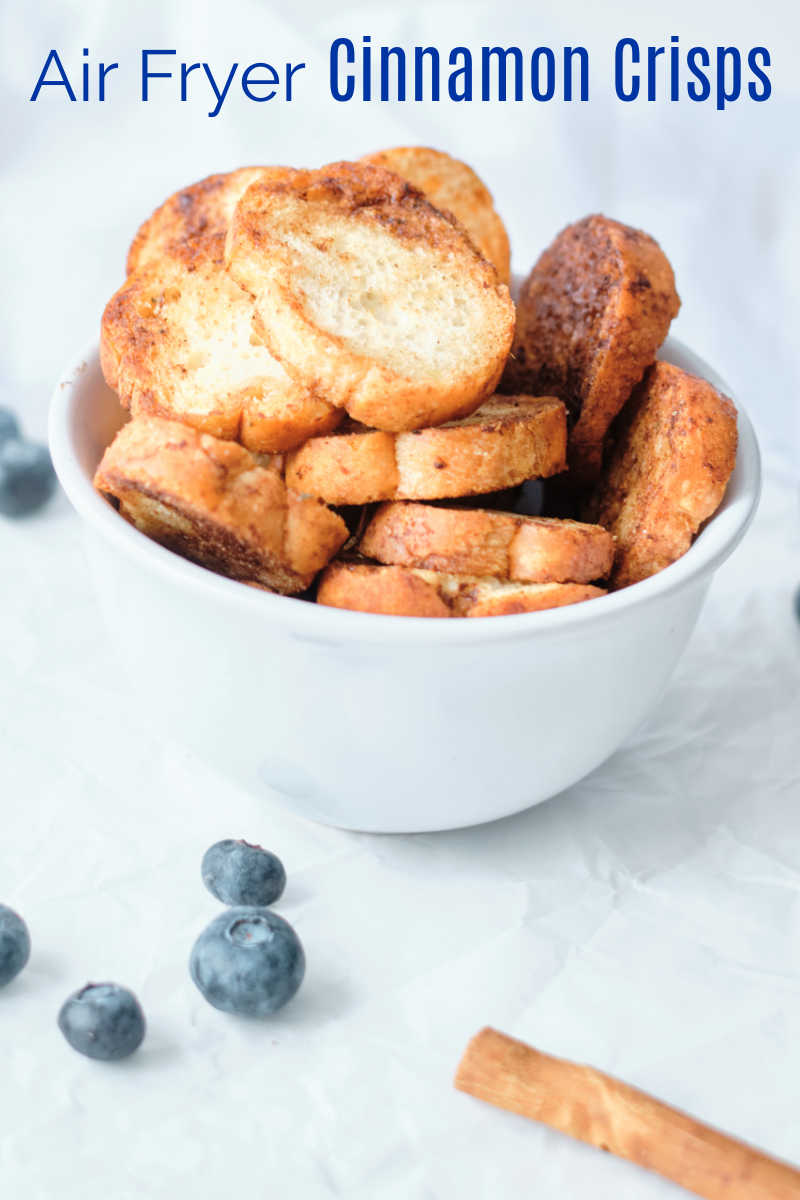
<point>9,425</point>
<point>248,961</point>
<point>15,944</point>
<point>102,1020</point>
<point>27,477</point>
<point>240,873</point>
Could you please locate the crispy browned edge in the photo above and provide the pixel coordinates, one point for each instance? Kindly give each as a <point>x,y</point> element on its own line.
<point>453,186</point>
<point>393,591</point>
<point>200,209</point>
<point>528,597</point>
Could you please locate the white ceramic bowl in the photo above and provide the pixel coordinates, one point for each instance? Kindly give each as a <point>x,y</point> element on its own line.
<point>385,724</point>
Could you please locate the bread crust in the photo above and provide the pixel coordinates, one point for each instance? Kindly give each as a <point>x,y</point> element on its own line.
<point>211,501</point>
<point>370,296</point>
<point>393,591</point>
<point>202,209</point>
<point>452,186</point>
<point>509,439</point>
<point>489,598</point>
<point>673,453</point>
<point>465,541</point>
<point>590,318</point>
<point>176,342</point>
<point>409,592</point>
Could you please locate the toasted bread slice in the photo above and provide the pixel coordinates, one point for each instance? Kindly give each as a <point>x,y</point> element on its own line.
<point>369,296</point>
<point>202,209</point>
<point>464,541</point>
<point>394,591</point>
<point>591,315</point>
<point>674,451</point>
<point>509,439</point>
<point>408,592</point>
<point>496,598</point>
<point>176,341</point>
<point>213,502</point>
<point>452,186</point>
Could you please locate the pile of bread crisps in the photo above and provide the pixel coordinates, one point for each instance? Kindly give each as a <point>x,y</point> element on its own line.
<point>332,394</point>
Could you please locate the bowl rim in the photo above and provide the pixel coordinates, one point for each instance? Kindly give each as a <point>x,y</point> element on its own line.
<point>319,623</point>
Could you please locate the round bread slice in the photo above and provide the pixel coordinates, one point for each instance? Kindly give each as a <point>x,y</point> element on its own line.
<point>408,592</point>
<point>509,439</point>
<point>213,502</point>
<point>176,341</point>
<point>591,315</point>
<point>454,187</point>
<point>673,454</point>
<point>464,541</point>
<point>369,296</point>
<point>202,209</point>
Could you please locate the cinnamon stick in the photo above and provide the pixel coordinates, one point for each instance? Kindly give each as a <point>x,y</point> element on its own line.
<point>613,1116</point>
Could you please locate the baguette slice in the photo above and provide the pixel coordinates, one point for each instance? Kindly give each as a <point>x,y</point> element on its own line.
<point>409,592</point>
<point>496,598</point>
<point>176,342</point>
<point>454,187</point>
<point>393,591</point>
<point>463,541</point>
<point>673,454</point>
<point>213,502</point>
<point>591,315</point>
<point>202,209</point>
<point>370,296</point>
<point>509,439</point>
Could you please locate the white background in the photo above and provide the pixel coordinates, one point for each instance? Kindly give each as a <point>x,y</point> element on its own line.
<point>647,921</point>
